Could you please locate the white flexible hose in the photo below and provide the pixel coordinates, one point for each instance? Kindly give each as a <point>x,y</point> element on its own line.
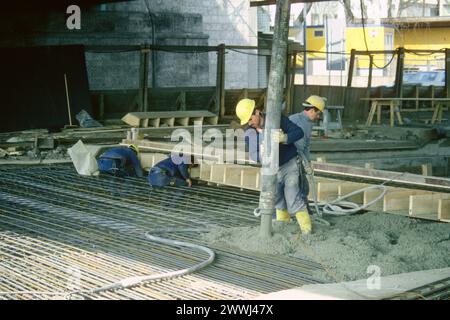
<point>335,207</point>
<point>132,281</point>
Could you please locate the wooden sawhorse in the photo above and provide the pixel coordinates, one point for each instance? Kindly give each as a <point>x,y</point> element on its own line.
<point>376,107</point>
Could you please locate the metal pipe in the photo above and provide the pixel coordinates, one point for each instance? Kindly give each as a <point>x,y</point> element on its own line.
<point>272,118</point>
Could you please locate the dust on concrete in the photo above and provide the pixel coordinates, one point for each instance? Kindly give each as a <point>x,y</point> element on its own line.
<point>395,244</point>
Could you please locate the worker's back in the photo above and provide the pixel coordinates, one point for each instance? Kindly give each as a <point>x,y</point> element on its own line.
<point>303,121</point>
<point>174,170</point>
<point>120,161</point>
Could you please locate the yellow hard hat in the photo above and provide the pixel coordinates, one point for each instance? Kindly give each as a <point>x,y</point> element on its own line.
<point>134,148</point>
<point>315,101</point>
<point>244,110</point>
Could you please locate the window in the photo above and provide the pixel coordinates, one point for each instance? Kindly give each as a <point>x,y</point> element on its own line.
<point>315,19</point>
<point>434,11</point>
<point>318,33</point>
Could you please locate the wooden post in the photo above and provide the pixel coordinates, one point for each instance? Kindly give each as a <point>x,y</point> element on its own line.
<point>102,106</point>
<point>290,81</point>
<point>145,102</point>
<point>369,81</point>
<point>432,89</point>
<point>143,79</point>
<point>416,88</point>
<point>68,100</point>
<point>305,54</point>
<point>399,72</point>
<point>351,68</point>
<point>447,72</point>
<point>427,169</point>
<point>292,84</point>
<point>350,76</point>
<point>287,94</point>
<point>220,81</point>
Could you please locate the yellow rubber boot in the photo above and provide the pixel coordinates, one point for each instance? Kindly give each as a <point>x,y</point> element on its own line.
<point>304,221</point>
<point>283,215</point>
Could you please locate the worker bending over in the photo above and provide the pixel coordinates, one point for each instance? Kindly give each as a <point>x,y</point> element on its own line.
<point>169,172</point>
<point>314,107</point>
<point>288,197</point>
<point>121,161</point>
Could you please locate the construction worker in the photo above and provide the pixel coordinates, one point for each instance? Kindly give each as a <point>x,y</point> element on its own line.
<point>170,172</point>
<point>288,196</point>
<point>314,107</point>
<point>121,161</point>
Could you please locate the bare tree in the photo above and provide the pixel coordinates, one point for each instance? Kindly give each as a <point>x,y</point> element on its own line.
<point>349,16</point>
<point>301,17</point>
<point>405,4</point>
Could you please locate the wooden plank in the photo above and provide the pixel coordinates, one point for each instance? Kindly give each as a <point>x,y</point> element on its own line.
<point>444,210</point>
<point>169,122</point>
<point>205,171</point>
<point>217,174</point>
<point>250,178</point>
<point>232,175</point>
<point>370,195</point>
<point>427,169</point>
<point>396,200</point>
<point>416,91</point>
<point>211,120</point>
<point>426,206</point>
<point>327,191</point>
<point>195,172</point>
<point>170,114</point>
<point>348,187</point>
<point>184,121</point>
<point>136,119</point>
<point>192,120</point>
<point>154,123</point>
<point>149,159</point>
<point>258,180</point>
<point>377,176</point>
<point>372,111</point>
<point>132,120</point>
<point>165,147</point>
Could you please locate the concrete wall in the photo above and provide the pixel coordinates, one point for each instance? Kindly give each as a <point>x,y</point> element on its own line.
<point>231,22</point>
<point>178,22</point>
<point>118,70</point>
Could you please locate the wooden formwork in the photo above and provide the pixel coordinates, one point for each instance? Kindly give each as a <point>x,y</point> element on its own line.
<point>408,202</point>
<point>169,118</point>
<point>243,177</point>
<point>414,203</point>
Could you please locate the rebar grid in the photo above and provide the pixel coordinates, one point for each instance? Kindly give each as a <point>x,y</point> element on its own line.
<point>59,229</point>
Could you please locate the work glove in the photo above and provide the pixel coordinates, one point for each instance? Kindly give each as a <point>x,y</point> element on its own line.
<point>279,136</point>
<point>189,182</point>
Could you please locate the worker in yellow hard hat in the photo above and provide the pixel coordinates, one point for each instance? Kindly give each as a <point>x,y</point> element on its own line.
<point>288,197</point>
<point>121,161</point>
<point>313,109</point>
